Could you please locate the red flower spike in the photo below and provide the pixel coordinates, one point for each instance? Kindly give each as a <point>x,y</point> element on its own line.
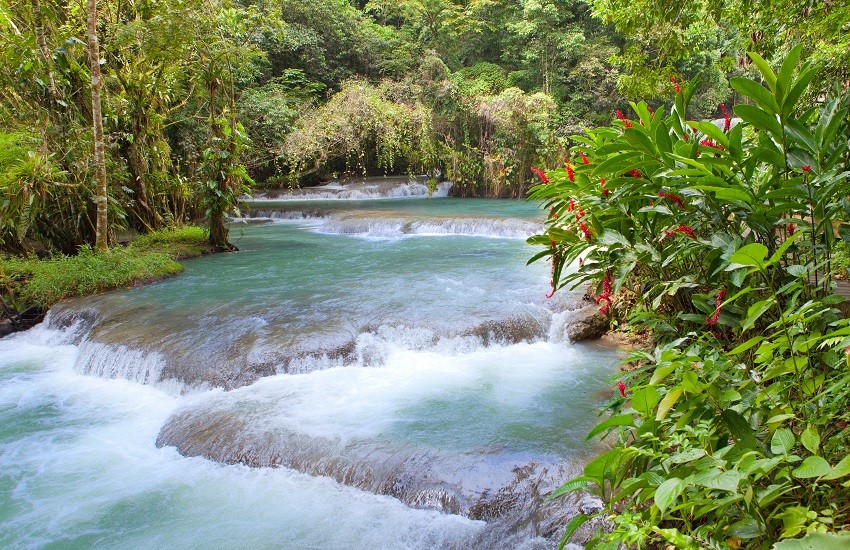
<point>791,229</point>
<point>727,119</point>
<point>571,173</point>
<point>541,174</point>
<point>621,387</point>
<point>604,191</point>
<point>605,295</point>
<point>585,230</point>
<point>673,197</point>
<point>583,157</point>
<point>676,84</point>
<point>807,168</point>
<point>712,320</point>
<point>684,229</point>
<point>635,173</point>
<point>623,118</point>
<point>572,205</point>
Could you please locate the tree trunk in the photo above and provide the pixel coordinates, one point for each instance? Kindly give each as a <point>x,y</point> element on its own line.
<point>97,121</point>
<point>38,20</point>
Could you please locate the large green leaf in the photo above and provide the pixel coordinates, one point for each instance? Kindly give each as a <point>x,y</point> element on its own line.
<point>839,470</point>
<point>717,479</point>
<point>739,428</point>
<point>760,119</point>
<point>812,466</point>
<point>751,255</point>
<point>766,72</point>
<point>784,79</point>
<point>757,93</point>
<point>816,541</point>
<point>667,403</point>
<point>782,441</point>
<point>644,400</point>
<point>613,422</point>
<point>811,439</point>
<point>668,492</point>
<point>755,312</point>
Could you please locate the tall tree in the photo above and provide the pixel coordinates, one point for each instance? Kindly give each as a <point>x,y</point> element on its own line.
<point>101,228</point>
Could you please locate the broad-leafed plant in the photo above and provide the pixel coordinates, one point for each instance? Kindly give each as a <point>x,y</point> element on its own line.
<point>720,238</point>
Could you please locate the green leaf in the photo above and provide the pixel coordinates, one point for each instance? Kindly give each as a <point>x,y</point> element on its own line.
<point>812,466</point>
<point>757,93</point>
<point>739,428</point>
<point>644,400</point>
<point>747,345</point>
<point>577,484</point>
<point>668,492</point>
<point>782,441</point>
<point>613,422</point>
<point>765,70</point>
<point>811,439</point>
<point>752,254</point>
<point>760,119</point>
<point>839,470</point>
<point>572,526</point>
<point>796,91</point>
<point>755,311</point>
<point>716,479</point>
<point>746,529</point>
<point>784,80</point>
<point>816,541</point>
<point>667,403</point>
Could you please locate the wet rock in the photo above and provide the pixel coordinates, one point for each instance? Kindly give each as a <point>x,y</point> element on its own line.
<point>586,323</point>
<point>509,491</point>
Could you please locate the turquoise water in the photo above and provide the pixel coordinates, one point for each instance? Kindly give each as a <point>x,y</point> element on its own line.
<point>438,342</point>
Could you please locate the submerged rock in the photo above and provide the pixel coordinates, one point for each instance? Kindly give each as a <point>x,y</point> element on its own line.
<point>507,490</point>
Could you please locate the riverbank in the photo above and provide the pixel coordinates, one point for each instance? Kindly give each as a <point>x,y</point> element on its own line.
<point>30,286</point>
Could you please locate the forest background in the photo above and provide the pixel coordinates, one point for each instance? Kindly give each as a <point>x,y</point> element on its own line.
<point>203,97</point>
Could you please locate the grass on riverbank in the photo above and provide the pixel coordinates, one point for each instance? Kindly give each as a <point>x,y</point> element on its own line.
<point>28,282</point>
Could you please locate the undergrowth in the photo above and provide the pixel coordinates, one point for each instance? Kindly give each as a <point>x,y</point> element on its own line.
<point>32,282</point>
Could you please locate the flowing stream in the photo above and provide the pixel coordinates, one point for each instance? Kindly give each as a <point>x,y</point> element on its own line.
<point>381,373</point>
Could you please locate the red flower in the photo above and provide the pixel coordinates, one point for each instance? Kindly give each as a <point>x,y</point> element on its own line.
<point>676,199</point>
<point>807,168</point>
<point>622,117</point>
<point>585,230</point>
<point>583,157</point>
<point>604,191</point>
<point>711,143</point>
<point>572,205</point>
<point>570,173</point>
<point>651,112</point>
<point>685,229</point>
<point>605,295</point>
<point>676,84</point>
<point>712,320</point>
<point>791,229</point>
<point>635,173</point>
<point>621,387</point>
<point>541,174</point>
<point>727,120</point>
<point>580,213</point>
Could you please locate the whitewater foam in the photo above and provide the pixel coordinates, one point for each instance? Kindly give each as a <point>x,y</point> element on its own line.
<point>348,192</point>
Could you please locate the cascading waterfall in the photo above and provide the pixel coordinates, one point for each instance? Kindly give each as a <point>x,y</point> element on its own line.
<point>422,387</point>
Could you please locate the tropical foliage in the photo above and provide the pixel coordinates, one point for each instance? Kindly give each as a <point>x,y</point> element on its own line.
<point>720,239</point>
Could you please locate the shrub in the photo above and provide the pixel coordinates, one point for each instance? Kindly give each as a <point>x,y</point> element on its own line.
<point>734,433</point>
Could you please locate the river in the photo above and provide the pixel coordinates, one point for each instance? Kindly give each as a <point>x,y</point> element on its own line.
<point>382,373</point>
